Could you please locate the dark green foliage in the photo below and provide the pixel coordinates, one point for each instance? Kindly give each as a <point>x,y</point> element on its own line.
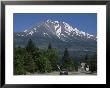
<point>86,58</point>
<point>18,65</point>
<point>52,55</point>
<point>49,46</point>
<point>19,61</point>
<point>93,63</point>
<point>43,64</point>
<point>75,65</point>
<point>23,59</point>
<point>66,54</point>
<point>30,46</point>
<point>86,61</point>
<point>32,53</point>
<point>67,61</point>
<point>32,59</point>
<point>65,58</point>
<point>29,63</point>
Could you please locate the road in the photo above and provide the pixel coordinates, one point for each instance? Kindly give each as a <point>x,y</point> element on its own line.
<point>58,73</point>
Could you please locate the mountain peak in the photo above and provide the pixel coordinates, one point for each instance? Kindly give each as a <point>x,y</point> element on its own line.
<point>62,30</point>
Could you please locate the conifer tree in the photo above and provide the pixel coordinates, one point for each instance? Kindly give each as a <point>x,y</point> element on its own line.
<point>30,46</point>
<point>44,64</point>
<point>49,46</point>
<point>19,65</point>
<point>52,55</point>
<point>67,61</point>
<point>93,63</point>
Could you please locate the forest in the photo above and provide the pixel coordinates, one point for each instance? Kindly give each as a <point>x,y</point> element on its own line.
<point>31,59</point>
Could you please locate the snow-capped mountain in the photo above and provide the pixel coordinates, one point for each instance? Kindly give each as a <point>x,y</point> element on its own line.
<point>61,35</point>
<point>62,30</point>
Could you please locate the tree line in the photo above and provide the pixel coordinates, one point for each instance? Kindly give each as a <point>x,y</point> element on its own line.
<point>31,59</point>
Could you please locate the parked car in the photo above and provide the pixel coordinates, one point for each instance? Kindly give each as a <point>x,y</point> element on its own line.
<point>63,72</point>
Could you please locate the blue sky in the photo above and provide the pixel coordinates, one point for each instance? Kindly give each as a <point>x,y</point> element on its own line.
<point>83,21</point>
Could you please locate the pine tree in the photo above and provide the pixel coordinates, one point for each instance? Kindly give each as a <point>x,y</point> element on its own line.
<point>49,46</point>
<point>67,62</point>
<point>86,58</point>
<point>29,63</point>
<point>44,64</point>
<point>30,57</point>
<point>52,55</point>
<point>30,46</point>
<point>66,53</point>
<point>19,64</point>
<point>65,58</point>
<point>93,63</point>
